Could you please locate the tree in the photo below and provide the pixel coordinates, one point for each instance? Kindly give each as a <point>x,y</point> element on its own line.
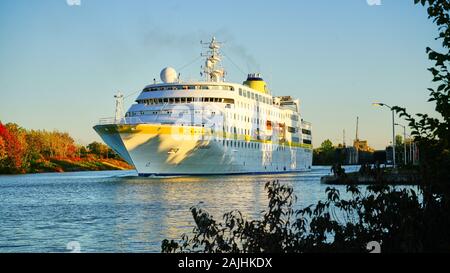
<point>99,149</point>
<point>326,145</point>
<point>398,140</point>
<point>325,154</point>
<point>13,137</point>
<point>82,151</point>
<point>432,134</point>
<point>3,153</point>
<point>35,145</point>
<point>24,150</point>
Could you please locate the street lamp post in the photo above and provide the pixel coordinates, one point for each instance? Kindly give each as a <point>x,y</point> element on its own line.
<point>411,159</point>
<point>404,141</point>
<point>393,129</point>
<point>411,143</point>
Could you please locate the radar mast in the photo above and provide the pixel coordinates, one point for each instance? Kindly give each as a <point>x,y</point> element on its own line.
<point>212,71</point>
<point>119,107</point>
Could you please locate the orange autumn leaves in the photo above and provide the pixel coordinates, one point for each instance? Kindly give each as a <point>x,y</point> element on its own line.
<point>12,150</point>
<point>21,149</point>
<point>30,151</point>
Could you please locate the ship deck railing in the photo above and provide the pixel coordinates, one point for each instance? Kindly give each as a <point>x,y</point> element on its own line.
<point>139,120</point>
<point>306,124</point>
<point>124,120</point>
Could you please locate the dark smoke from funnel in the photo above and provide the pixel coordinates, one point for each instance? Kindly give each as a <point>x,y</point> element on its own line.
<point>157,39</point>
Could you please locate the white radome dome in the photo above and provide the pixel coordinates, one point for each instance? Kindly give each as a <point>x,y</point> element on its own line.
<point>168,75</point>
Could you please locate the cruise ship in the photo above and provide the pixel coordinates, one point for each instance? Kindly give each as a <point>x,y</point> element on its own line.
<point>209,126</point>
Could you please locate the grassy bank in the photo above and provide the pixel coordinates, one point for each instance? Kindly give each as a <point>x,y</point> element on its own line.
<point>78,164</point>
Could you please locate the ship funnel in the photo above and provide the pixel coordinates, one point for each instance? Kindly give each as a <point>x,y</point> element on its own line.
<point>256,82</point>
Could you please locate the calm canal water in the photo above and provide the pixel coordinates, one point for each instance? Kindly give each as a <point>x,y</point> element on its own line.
<point>116,211</point>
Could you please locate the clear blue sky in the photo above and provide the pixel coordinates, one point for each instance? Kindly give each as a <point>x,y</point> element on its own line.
<point>60,65</point>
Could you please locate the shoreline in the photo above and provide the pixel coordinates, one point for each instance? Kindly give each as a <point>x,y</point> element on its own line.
<point>62,165</point>
<point>399,177</point>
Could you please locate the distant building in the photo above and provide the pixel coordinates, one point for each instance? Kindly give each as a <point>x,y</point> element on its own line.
<point>364,151</point>
<point>359,153</point>
<point>362,145</point>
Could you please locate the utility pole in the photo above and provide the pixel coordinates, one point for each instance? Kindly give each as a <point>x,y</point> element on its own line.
<point>393,129</point>
<point>356,142</point>
<point>404,141</point>
<point>343,138</point>
<point>410,150</point>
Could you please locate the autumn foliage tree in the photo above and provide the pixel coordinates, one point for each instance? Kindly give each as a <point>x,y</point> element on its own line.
<point>2,149</point>
<point>100,150</point>
<point>13,150</point>
<point>22,150</point>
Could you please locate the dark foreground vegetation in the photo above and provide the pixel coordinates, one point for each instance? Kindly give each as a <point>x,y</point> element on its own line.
<point>394,218</point>
<point>401,220</point>
<point>31,151</point>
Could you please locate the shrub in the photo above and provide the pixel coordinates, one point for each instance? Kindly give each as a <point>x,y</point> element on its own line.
<point>395,218</point>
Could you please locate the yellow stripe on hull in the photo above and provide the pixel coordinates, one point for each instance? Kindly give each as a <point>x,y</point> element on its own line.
<point>190,131</point>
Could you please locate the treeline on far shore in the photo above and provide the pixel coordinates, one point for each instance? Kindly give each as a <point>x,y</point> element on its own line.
<point>31,151</point>
<point>329,154</point>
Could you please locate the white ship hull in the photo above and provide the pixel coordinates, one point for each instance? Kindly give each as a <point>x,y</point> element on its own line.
<point>173,150</point>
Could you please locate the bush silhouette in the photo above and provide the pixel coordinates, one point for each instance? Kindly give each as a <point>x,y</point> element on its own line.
<point>395,218</point>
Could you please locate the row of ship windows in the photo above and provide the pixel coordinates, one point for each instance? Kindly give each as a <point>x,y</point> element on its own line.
<point>211,114</point>
<point>253,145</point>
<point>247,145</point>
<point>268,112</point>
<point>246,118</point>
<point>242,92</point>
<point>242,131</point>
<point>185,100</point>
<point>292,130</point>
<point>269,124</point>
<point>229,129</point>
<point>241,144</point>
<point>190,87</point>
<point>257,97</point>
<point>157,101</point>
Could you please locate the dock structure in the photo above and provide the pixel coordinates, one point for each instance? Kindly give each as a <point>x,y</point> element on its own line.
<point>370,178</point>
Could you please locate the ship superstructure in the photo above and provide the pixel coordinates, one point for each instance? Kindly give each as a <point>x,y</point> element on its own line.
<point>210,127</point>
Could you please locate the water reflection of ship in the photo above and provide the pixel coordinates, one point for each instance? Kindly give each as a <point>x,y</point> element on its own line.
<point>161,206</point>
